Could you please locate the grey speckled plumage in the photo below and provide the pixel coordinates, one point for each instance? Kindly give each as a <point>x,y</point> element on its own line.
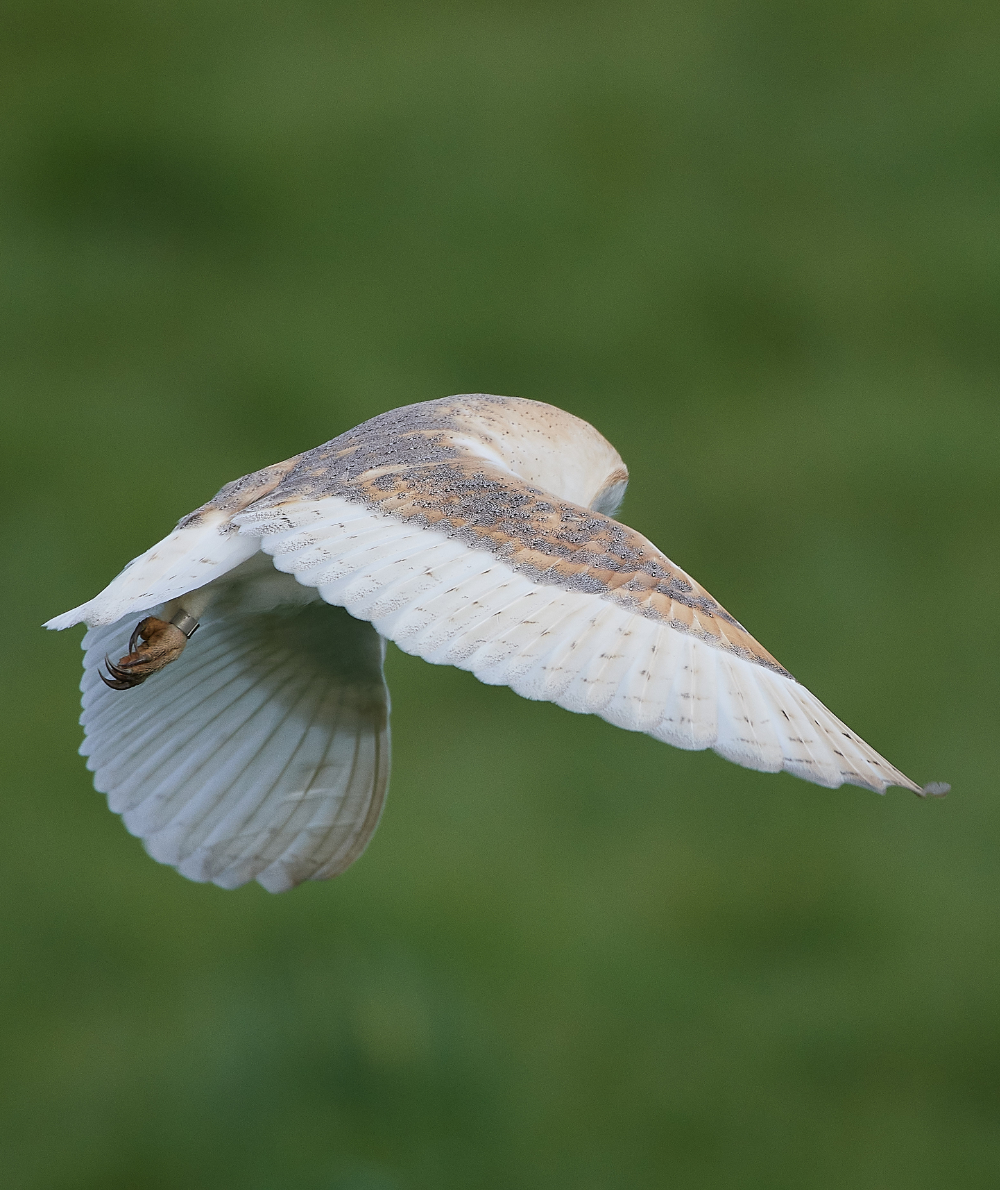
<point>476,531</point>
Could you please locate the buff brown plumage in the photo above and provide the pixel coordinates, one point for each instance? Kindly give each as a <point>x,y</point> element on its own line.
<point>475,531</point>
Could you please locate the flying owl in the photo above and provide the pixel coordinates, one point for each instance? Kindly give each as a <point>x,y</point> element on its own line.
<point>475,531</point>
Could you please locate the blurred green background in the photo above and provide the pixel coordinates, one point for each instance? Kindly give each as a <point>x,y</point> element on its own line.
<point>757,245</point>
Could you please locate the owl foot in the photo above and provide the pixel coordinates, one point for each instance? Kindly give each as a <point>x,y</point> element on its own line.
<point>163,642</point>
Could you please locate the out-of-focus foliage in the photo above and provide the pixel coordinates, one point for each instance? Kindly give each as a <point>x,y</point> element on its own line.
<point>757,245</point>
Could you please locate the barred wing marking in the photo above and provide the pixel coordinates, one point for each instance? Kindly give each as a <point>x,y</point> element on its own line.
<point>450,603</point>
<point>261,753</point>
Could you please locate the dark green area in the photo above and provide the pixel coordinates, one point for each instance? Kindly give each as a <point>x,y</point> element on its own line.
<point>757,245</point>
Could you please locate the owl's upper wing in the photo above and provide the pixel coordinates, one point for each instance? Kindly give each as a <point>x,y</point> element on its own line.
<point>261,753</point>
<point>462,563</point>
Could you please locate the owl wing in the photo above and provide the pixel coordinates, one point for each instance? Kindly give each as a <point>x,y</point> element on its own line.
<point>464,564</point>
<point>261,753</point>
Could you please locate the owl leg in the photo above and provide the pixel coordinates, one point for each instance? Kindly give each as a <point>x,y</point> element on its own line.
<point>163,641</point>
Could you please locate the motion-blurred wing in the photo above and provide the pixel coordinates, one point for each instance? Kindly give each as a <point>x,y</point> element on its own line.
<point>261,753</point>
<point>464,564</point>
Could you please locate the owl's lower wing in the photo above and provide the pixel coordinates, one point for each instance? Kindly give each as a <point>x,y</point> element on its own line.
<point>261,753</point>
<point>591,617</point>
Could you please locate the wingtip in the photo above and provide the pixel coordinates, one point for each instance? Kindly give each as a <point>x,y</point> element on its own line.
<point>935,789</point>
<point>66,620</point>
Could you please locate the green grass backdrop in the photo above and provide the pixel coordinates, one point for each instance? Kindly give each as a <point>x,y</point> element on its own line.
<point>757,245</point>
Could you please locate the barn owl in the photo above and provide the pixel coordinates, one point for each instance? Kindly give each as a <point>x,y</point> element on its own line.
<point>475,531</point>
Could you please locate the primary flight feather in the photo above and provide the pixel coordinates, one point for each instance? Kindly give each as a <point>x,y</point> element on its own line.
<point>474,531</point>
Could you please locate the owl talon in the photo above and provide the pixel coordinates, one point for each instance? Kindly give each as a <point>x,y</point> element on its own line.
<point>163,642</point>
<point>119,679</point>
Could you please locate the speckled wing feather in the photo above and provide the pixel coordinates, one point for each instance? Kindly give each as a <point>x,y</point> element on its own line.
<point>261,753</point>
<point>461,562</point>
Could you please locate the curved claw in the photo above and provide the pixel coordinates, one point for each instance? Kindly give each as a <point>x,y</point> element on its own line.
<point>120,679</point>
<point>162,642</point>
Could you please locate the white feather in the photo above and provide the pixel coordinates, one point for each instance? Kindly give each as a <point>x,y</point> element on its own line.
<point>451,604</point>
<point>261,753</point>
<point>747,734</point>
<point>183,561</point>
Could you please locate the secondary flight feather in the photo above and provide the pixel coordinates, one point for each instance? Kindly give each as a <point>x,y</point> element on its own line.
<point>474,531</point>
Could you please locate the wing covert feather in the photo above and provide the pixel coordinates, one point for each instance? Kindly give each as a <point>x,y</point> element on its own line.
<point>645,648</point>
